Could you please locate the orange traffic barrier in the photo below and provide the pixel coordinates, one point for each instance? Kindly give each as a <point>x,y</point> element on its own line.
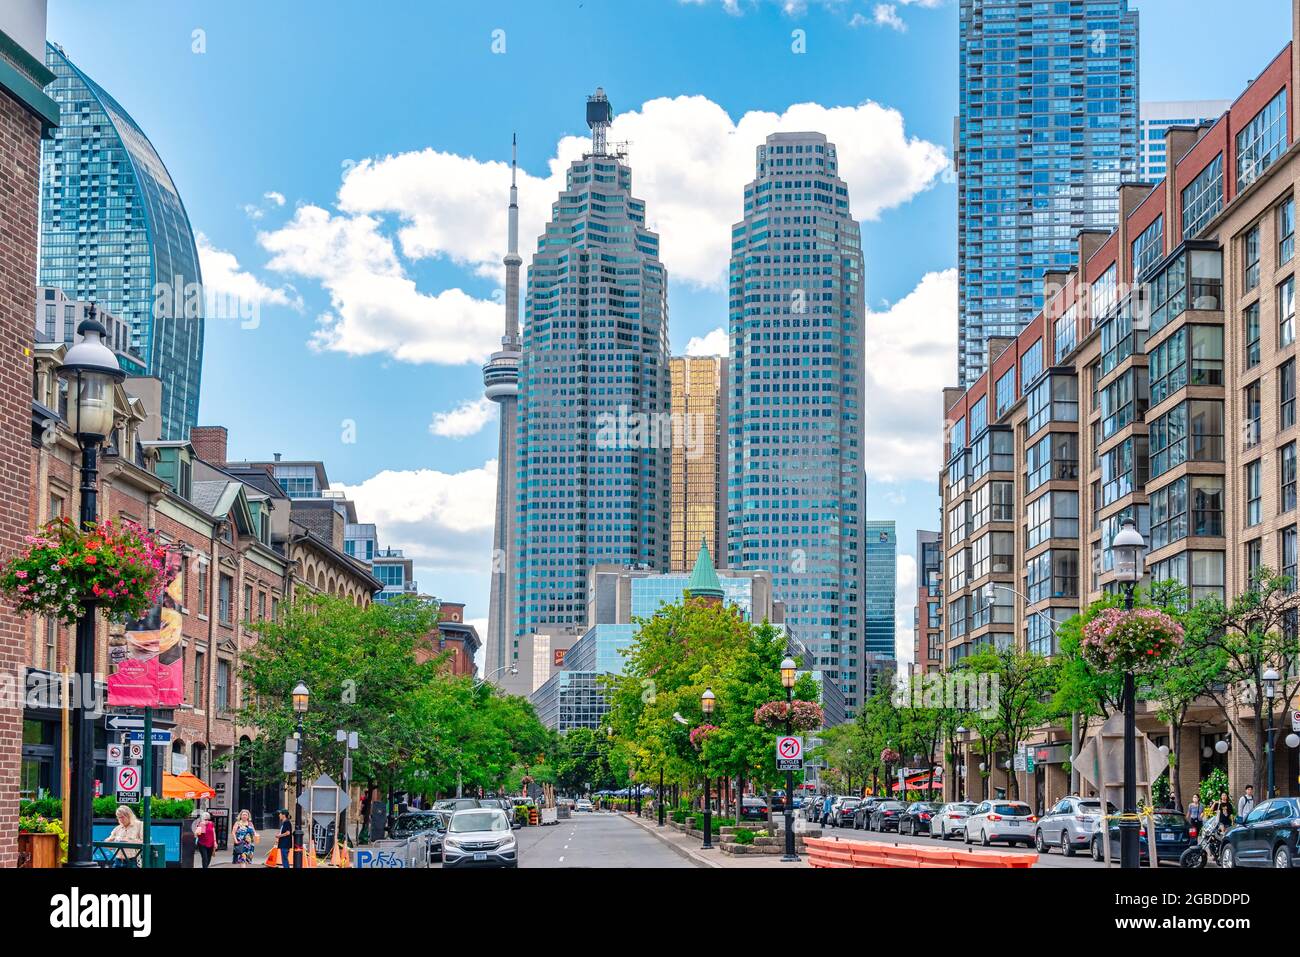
<point>823,852</point>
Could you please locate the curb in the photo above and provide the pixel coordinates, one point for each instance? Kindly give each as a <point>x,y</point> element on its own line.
<point>699,860</point>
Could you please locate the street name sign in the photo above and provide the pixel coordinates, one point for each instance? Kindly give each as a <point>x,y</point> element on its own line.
<point>159,737</point>
<point>789,753</point>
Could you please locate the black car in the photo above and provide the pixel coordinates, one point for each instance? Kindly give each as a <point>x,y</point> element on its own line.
<point>886,816</point>
<point>1173,836</point>
<point>753,809</point>
<point>432,824</point>
<point>1266,837</point>
<point>862,815</point>
<point>842,813</point>
<point>916,819</point>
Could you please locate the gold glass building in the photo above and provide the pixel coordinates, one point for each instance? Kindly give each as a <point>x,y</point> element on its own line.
<point>698,391</point>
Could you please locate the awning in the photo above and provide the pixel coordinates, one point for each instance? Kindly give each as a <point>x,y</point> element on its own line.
<point>185,787</point>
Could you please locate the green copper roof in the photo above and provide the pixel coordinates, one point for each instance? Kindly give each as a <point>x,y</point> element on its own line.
<point>704,581</point>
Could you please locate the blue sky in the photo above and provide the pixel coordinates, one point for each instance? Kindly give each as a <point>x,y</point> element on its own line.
<point>338,159</point>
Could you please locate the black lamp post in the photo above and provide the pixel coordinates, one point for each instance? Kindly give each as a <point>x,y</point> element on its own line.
<point>848,768</point>
<point>90,370</point>
<point>1128,547</point>
<point>1271,678</point>
<point>787,681</point>
<point>301,699</point>
<point>707,701</point>
<point>959,767</point>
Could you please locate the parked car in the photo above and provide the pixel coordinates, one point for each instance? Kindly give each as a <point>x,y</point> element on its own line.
<point>951,819</point>
<point>1011,821</point>
<point>916,819</point>
<point>753,808</point>
<point>1173,836</point>
<point>862,814</point>
<point>885,816</point>
<point>1070,825</point>
<point>1266,837</point>
<point>479,837</point>
<point>842,812</point>
<point>430,824</point>
<point>582,804</point>
<point>455,804</point>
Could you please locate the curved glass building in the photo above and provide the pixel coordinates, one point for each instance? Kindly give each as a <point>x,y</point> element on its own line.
<point>114,229</point>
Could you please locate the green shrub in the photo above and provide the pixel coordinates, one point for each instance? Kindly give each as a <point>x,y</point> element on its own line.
<point>679,816</point>
<point>745,836</point>
<point>1213,786</point>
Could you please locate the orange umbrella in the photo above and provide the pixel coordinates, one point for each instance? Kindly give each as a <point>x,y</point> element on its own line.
<point>185,787</point>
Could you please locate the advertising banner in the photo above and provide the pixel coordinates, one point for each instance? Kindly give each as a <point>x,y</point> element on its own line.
<point>149,670</point>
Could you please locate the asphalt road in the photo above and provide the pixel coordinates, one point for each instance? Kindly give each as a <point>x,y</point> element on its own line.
<point>595,840</point>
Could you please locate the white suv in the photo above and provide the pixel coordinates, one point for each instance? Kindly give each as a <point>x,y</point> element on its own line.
<point>1010,821</point>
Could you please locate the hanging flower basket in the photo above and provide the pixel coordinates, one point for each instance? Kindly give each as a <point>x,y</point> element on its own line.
<point>1138,640</point>
<point>889,756</point>
<point>802,715</point>
<point>701,733</point>
<point>122,569</point>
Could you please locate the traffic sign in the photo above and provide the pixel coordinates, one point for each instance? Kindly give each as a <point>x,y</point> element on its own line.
<point>789,753</point>
<point>123,722</point>
<point>128,797</point>
<point>128,778</point>
<point>159,737</point>
<point>114,753</point>
<point>135,750</point>
<point>1295,721</point>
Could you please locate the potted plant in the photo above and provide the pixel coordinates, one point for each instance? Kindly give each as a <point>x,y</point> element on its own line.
<point>1118,640</point>
<point>41,843</point>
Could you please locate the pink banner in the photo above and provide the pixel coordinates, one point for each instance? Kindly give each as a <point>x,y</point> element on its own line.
<point>149,657</point>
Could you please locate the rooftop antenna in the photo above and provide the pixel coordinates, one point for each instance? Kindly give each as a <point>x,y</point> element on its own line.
<point>599,115</point>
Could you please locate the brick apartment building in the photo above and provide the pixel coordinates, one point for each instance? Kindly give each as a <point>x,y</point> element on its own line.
<point>1158,384</point>
<point>456,636</point>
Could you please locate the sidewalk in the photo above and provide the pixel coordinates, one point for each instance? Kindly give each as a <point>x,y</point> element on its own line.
<point>265,841</point>
<point>689,847</point>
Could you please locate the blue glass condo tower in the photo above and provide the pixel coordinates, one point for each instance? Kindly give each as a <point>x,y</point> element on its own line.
<point>796,485</point>
<point>114,229</point>
<point>1048,128</point>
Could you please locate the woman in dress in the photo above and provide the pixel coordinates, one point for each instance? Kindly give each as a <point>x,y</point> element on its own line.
<point>245,839</point>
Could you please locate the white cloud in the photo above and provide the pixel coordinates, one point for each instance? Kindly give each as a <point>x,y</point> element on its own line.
<point>886,15</point>
<point>441,520</point>
<point>465,420</point>
<point>904,606</point>
<point>274,197</point>
<point>714,343</point>
<point>231,292</point>
<point>690,161</point>
<point>913,350</point>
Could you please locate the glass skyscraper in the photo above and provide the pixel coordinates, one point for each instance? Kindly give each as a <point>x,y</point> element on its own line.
<point>114,229</point>
<point>795,480</point>
<point>593,439</point>
<point>1046,133</point>
<point>881,587</point>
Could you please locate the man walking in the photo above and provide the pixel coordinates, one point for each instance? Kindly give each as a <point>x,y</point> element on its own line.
<point>1246,803</point>
<point>285,841</point>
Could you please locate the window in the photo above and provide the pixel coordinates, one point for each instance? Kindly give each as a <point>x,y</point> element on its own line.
<point>992,502</point>
<point>203,589</point>
<point>1203,198</point>
<point>1286,312</point>
<point>1251,319</point>
<point>993,451</point>
<point>958,570</point>
<point>1006,392</point>
<point>1066,330</point>
<point>1191,505</point>
<point>958,524</point>
<point>1254,558</point>
<point>1287,553</point>
<point>51,645</point>
<point>1286,476</point>
<point>247,611</point>
<point>1039,637</point>
<point>1286,394</point>
<point>1149,246</point>
<point>991,554</point>
<point>1286,231</point>
<point>1111,526</point>
<point>992,607</point>
<point>1200,572</point>
<point>261,605</point>
<point>1125,400</point>
<point>1055,457</point>
<point>1124,469</point>
<point>957,438</point>
<point>979,416</point>
<point>1031,363</point>
<point>1191,356</point>
<point>1119,339</point>
<point>1053,574</point>
<point>1251,248</point>
<point>1103,295</point>
<point>200,672</point>
<point>957,621</point>
<point>225,587</point>
<point>1055,399</point>
<point>1251,406</point>
<point>223,685</point>
<point>1054,515</point>
<point>1262,141</point>
<point>1254,496</point>
<point>1190,432</point>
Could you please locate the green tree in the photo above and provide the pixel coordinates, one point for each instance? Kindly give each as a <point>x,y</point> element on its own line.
<point>1025,685</point>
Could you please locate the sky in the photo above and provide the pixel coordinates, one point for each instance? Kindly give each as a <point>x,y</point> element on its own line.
<point>345,165</point>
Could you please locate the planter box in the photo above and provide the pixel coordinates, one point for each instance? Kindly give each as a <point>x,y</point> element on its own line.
<point>38,850</point>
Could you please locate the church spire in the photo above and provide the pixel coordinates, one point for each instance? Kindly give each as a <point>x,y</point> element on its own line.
<point>704,581</point>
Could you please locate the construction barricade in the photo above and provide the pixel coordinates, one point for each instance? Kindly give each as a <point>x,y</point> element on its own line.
<point>829,852</point>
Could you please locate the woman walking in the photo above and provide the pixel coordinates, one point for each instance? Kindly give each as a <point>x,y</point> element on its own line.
<point>245,839</point>
<point>205,833</point>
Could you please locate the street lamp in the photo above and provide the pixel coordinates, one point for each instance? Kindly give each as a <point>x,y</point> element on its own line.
<point>90,370</point>
<point>1128,546</point>
<point>350,741</point>
<point>1271,678</point>
<point>959,766</point>
<point>707,702</point>
<point>301,700</point>
<point>787,681</point>
<point>848,767</point>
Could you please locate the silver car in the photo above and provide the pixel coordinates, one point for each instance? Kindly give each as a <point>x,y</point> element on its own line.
<point>1069,825</point>
<point>951,820</point>
<point>1003,820</point>
<point>479,837</point>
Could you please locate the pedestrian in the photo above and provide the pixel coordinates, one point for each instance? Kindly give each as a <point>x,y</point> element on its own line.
<point>1221,812</point>
<point>1246,803</point>
<point>826,810</point>
<point>205,837</point>
<point>245,839</point>
<point>285,841</point>
<point>129,830</point>
<point>1195,813</point>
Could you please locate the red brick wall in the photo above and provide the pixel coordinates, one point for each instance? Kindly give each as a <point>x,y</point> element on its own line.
<point>209,443</point>
<point>20,139</point>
